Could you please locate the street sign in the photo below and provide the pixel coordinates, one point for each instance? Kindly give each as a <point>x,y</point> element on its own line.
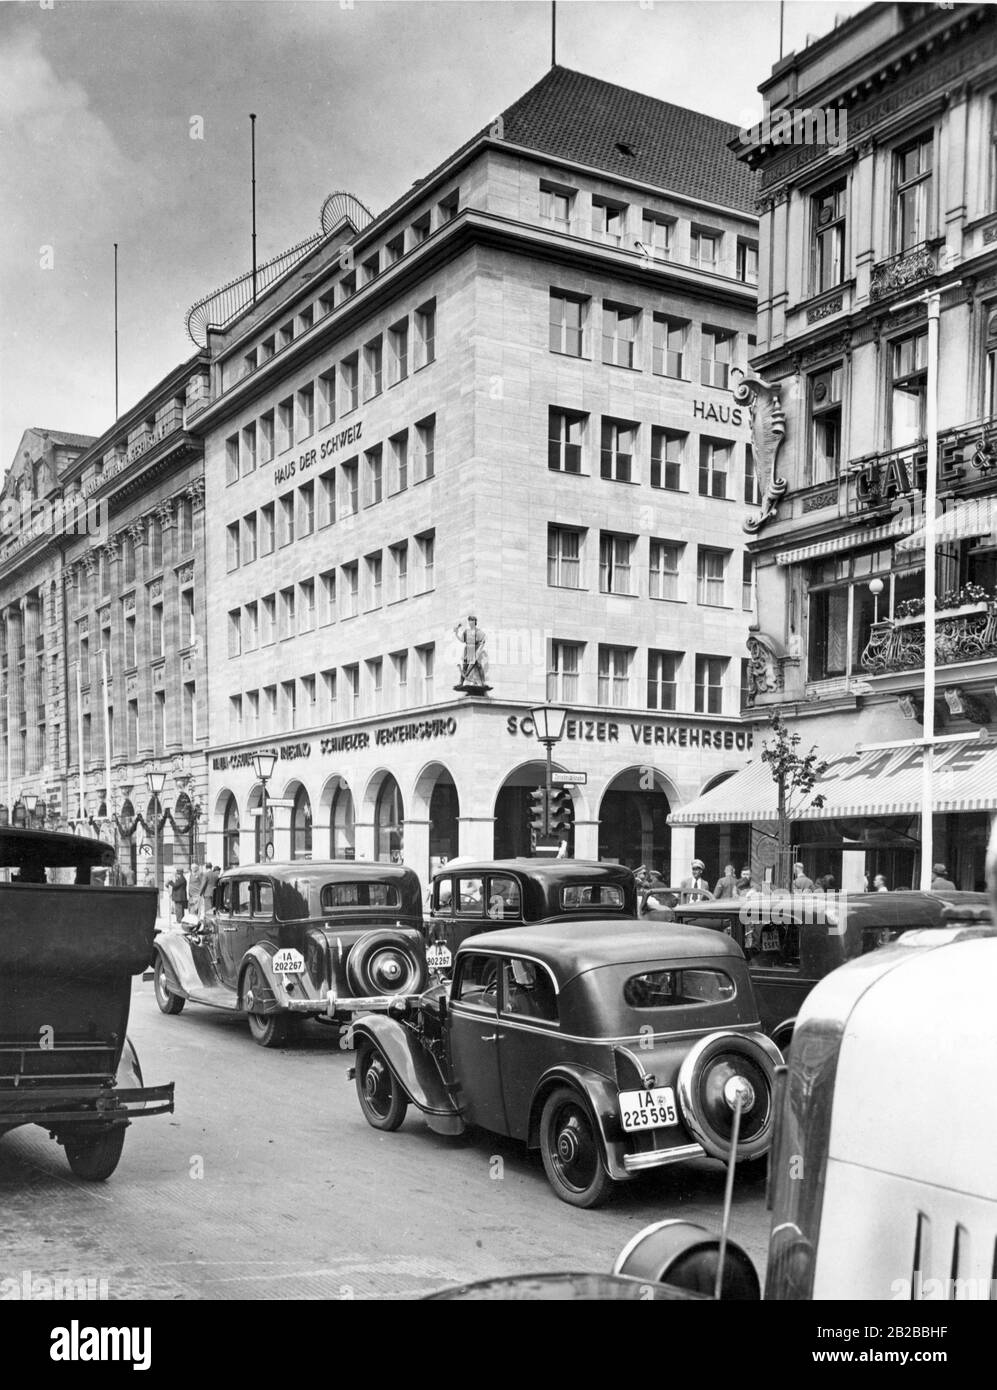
<point>548,845</point>
<point>569,779</point>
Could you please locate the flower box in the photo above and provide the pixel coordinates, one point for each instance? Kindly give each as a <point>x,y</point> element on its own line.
<point>964,610</point>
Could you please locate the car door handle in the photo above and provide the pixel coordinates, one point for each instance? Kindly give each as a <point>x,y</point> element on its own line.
<point>490,1037</point>
<point>226,928</point>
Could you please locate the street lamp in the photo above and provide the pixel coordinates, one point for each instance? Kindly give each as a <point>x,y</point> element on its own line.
<point>156,782</point>
<point>875,588</point>
<point>548,724</point>
<point>263,766</point>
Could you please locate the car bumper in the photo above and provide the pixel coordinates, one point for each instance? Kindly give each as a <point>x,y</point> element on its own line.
<point>64,1106</point>
<point>659,1158</point>
<point>332,1005</point>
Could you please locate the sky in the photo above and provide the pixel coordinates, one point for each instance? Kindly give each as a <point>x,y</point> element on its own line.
<point>99,100</point>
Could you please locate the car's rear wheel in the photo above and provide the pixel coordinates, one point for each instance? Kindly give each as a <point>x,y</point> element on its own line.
<point>95,1156</point>
<point>269,1030</point>
<point>169,1003</point>
<point>382,1100</point>
<point>719,1069</point>
<point>382,962</point>
<point>572,1150</point>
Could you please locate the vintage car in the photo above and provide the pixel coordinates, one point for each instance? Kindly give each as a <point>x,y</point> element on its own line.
<point>285,942</point>
<point>793,940</point>
<point>68,952</point>
<point>491,894</point>
<point>611,1046</point>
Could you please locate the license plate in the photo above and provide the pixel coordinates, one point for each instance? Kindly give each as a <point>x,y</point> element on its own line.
<point>438,958</point>
<point>770,940</point>
<point>648,1109</point>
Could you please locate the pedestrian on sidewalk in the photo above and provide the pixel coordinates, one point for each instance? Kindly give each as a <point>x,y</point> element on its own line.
<point>208,889</point>
<point>940,882</point>
<point>178,892</point>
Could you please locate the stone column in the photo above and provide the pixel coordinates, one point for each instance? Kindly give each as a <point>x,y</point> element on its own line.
<point>683,852</point>
<point>416,852</point>
<point>476,836</point>
<point>586,839</point>
<point>281,828</point>
<point>364,840</point>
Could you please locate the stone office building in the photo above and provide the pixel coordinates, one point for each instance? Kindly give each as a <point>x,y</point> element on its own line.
<point>488,440</point>
<point>851,234</point>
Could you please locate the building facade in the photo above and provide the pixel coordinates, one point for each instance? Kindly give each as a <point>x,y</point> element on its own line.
<point>478,453</point>
<point>103,595</point>
<point>853,233</point>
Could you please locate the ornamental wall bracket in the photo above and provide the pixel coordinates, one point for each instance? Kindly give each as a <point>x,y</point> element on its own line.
<point>766,660</point>
<point>768,429</point>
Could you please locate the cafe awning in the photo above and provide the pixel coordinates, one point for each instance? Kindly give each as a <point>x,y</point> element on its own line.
<point>852,540</point>
<point>886,782</point>
<point>976,516</point>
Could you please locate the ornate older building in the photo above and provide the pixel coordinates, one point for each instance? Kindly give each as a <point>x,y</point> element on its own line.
<point>105,659</point>
<point>854,231</point>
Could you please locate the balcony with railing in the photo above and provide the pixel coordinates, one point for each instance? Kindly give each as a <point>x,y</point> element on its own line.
<point>906,269</point>
<point>965,630</point>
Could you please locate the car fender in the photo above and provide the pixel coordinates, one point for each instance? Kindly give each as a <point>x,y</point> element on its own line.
<point>602,1095</point>
<point>263,954</point>
<point>173,948</point>
<point>414,1070</point>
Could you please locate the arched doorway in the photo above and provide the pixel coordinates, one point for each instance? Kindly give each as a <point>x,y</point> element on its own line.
<point>230,833</point>
<point>633,821</point>
<point>444,822</point>
<point>389,823</point>
<point>301,825</point>
<point>513,812</point>
<point>342,825</point>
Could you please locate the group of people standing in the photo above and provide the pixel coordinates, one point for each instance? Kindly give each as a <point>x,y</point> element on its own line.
<point>192,893</point>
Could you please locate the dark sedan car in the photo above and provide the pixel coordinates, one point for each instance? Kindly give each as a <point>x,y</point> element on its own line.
<point>611,1046</point>
<point>308,939</point>
<point>491,894</point>
<point>792,941</point>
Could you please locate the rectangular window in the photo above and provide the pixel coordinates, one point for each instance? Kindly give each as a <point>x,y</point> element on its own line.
<point>609,219</point>
<point>129,640</point>
<point>270,706</point>
<point>235,632</point>
<point>619,332</point>
<point>704,249</point>
<point>747,583</point>
<point>329,695</point>
<point>662,679</point>
<point>156,545</point>
<point>567,323</point>
<point>619,439</point>
<point>290,704</point>
<point>399,662</point>
<point>373,366</point>
<point>374,575</point>
<point>564,548</point>
<point>711,576</point>
<point>398,345</point>
<point>425,463</point>
<point>128,559</point>
<point>714,464</point>
<point>328,485</point>
<point>306,412</point>
<point>373,476</point>
<point>232,459</point>
<point>288,609</point>
<point>188,623</point>
<point>715,361</point>
<point>306,318</point>
<point>306,509</point>
<point>425,334</point>
<point>663,569</point>
<point>375,682</point>
<point>285,335</point>
<point>828,219</point>
<point>327,398</point>
<point>133,729</point>
<point>448,206</point>
<point>285,424</point>
<point>667,453</point>
<point>399,558</point>
<point>189,712</point>
<point>420,229</point>
<point>308,706</point>
<point>555,205</point>
<point>251,627</point>
<point>306,606</point>
<point>347,287</point>
<point>232,546</point>
<point>248,541</point>
<point>427,661</point>
<point>710,672</point>
<point>350,472</point>
<point>562,671</point>
<point>747,262</point>
<point>909,388</point>
<point>352,677</point>
<point>371,268</point>
<point>912,205</point>
<point>252,712</point>
<point>248,459</point>
<point>752,492</point>
<point>668,349</point>
<point>394,250</point>
<point>351,589</point>
<point>159,721</point>
<point>266,437</point>
<point>286,516</point>
<point>349,383</point>
<point>656,235</point>
<point>398,444</point>
<point>267,349</point>
<point>614,563</point>
<point>267,529</point>
<point>564,440</point>
<point>614,675</point>
<point>269,619</point>
<point>427,550</point>
<point>328,580</point>
<point>825,423</point>
<point>185,526</point>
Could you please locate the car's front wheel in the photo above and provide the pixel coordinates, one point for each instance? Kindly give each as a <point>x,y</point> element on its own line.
<point>382,1100</point>
<point>572,1150</point>
<point>169,1003</point>
<point>95,1156</point>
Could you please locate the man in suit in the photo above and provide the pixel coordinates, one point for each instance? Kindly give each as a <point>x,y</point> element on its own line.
<point>801,884</point>
<point>940,882</point>
<point>696,885</point>
<point>726,887</point>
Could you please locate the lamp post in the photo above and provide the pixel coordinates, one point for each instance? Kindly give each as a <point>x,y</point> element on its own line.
<point>875,588</point>
<point>156,782</point>
<point>548,723</point>
<point>263,766</point>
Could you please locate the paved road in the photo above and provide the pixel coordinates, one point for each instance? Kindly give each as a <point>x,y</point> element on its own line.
<point>268,1183</point>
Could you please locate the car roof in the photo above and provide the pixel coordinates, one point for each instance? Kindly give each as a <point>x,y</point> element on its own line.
<point>51,848</point>
<point>345,869</point>
<point>571,947</point>
<point>547,869</point>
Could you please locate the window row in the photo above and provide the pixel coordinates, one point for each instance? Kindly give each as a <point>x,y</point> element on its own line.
<point>624,335</point>
<point>663,680</point>
<point>401,680</point>
<point>338,593</point>
<point>571,555</point>
<point>104,582</point>
<point>147,725</point>
<point>150,608</point>
<point>362,481</point>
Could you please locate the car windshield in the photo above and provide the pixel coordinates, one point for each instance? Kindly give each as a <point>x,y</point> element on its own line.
<point>658,989</point>
<point>591,895</point>
<point>373,894</point>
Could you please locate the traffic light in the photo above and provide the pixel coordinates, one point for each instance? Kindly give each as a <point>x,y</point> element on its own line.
<point>562,812</point>
<point>538,811</point>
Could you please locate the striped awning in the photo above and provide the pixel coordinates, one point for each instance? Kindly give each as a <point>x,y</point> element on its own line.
<point>975,516</point>
<point>883,783</point>
<point>855,539</point>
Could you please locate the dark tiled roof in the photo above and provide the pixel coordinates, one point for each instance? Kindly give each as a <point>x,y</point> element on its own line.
<point>72,441</point>
<point>572,116</point>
